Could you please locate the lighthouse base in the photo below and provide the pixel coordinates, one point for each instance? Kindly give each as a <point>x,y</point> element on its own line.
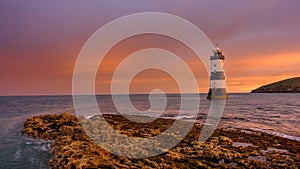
<point>217,93</point>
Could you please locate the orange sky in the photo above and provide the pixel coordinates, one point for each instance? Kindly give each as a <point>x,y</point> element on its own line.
<point>244,74</point>
<point>40,41</point>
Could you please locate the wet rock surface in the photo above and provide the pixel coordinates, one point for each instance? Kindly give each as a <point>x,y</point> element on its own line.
<point>226,148</point>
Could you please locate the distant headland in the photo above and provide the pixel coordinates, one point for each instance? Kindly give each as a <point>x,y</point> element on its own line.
<point>291,85</point>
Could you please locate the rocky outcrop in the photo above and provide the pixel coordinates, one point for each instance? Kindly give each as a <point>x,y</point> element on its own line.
<point>72,148</point>
<point>285,86</point>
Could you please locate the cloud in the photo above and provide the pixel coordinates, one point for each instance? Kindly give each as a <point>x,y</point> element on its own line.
<point>39,41</point>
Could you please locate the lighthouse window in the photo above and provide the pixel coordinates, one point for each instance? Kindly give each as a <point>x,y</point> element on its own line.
<point>215,65</point>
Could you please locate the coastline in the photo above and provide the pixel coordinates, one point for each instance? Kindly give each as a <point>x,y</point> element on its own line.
<point>72,148</point>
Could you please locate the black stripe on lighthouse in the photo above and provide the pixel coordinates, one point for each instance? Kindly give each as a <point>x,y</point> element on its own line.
<point>217,76</point>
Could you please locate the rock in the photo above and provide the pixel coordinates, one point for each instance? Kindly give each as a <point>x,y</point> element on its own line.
<point>73,148</point>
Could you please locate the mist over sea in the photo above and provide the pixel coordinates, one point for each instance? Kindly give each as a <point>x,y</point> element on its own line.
<point>276,113</point>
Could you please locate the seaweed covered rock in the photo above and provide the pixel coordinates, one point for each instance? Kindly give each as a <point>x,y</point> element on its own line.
<point>73,148</point>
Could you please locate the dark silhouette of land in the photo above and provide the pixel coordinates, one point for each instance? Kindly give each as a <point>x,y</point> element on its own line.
<point>291,85</point>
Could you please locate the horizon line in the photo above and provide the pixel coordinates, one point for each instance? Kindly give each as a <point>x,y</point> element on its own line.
<point>105,94</point>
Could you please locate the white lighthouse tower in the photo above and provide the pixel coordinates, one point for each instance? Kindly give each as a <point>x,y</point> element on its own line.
<point>217,77</point>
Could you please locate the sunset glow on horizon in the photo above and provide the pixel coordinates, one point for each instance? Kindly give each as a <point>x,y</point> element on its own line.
<point>40,42</point>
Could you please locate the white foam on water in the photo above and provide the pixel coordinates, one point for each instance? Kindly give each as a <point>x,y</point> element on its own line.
<point>38,142</point>
<point>178,117</point>
<point>88,116</point>
<point>45,147</point>
<point>276,134</point>
<point>17,154</point>
<point>184,117</point>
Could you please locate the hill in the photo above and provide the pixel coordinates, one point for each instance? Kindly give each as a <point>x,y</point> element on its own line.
<point>284,86</point>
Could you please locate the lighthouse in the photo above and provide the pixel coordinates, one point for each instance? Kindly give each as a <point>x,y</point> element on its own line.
<point>217,88</point>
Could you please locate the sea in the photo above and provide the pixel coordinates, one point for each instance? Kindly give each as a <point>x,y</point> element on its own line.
<point>273,113</point>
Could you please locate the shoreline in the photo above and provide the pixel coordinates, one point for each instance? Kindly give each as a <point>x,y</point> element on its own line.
<point>225,148</point>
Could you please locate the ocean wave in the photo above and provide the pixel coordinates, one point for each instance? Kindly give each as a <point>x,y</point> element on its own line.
<point>88,116</point>
<point>17,154</point>
<point>38,144</point>
<point>268,131</point>
<point>178,117</point>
